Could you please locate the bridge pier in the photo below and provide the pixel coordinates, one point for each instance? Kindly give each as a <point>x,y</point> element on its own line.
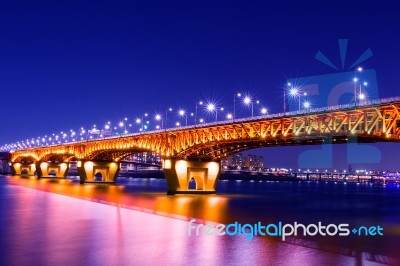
<point>179,175</point>
<point>97,171</point>
<point>45,169</point>
<point>24,168</point>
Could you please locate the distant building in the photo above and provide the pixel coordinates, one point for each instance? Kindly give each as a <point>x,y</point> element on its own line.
<point>241,161</point>
<point>4,163</point>
<point>142,161</point>
<point>254,162</point>
<point>144,157</point>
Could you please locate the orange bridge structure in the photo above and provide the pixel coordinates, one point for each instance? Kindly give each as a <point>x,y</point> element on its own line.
<point>195,152</point>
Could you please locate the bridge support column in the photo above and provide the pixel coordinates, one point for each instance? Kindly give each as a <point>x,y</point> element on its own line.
<point>97,171</point>
<point>179,174</point>
<point>24,168</point>
<point>57,170</point>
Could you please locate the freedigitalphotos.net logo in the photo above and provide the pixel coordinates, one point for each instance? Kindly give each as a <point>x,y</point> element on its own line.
<point>282,230</point>
<point>348,83</point>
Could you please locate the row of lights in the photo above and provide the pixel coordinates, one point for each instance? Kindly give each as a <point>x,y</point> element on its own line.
<point>124,127</point>
<point>143,121</point>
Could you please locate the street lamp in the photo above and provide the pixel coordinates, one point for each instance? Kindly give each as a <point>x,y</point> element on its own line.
<point>362,96</point>
<point>307,105</point>
<point>195,116</point>
<point>355,79</point>
<point>122,125</point>
<point>139,122</point>
<point>284,96</point>
<point>183,113</point>
<point>211,108</point>
<point>247,100</point>
<point>166,116</point>
<point>294,92</point>
<point>158,117</point>
<point>234,103</point>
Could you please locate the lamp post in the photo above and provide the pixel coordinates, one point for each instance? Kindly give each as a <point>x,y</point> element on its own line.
<point>108,128</point>
<point>122,125</point>
<point>183,113</point>
<point>221,109</point>
<point>211,108</point>
<point>355,80</point>
<point>158,117</point>
<point>166,116</point>
<point>247,100</point>
<point>141,121</point>
<point>294,92</point>
<point>234,104</point>
<point>284,97</point>
<point>195,115</point>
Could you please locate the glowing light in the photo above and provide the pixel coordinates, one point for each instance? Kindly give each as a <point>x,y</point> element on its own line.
<point>158,117</point>
<point>307,104</point>
<point>181,112</point>
<point>210,107</point>
<point>359,69</point>
<point>293,92</point>
<point>213,168</point>
<point>355,79</point>
<point>264,110</point>
<point>167,164</point>
<point>361,96</point>
<point>229,116</point>
<point>247,100</point>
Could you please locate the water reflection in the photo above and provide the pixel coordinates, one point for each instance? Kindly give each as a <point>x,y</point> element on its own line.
<point>52,229</point>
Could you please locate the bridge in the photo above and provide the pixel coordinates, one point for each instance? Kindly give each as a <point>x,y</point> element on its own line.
<point>195,152</point>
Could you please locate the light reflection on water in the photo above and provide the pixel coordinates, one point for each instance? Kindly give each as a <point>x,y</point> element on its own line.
<point>50,229</point>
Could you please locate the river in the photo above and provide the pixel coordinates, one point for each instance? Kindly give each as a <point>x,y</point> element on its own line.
<point>59,222</point>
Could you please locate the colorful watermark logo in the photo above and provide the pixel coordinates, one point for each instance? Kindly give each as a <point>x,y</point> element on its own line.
<point>349,84</point>
<point>281,230</point>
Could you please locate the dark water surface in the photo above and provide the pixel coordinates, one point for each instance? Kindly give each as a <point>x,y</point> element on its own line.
<point>60,222</point>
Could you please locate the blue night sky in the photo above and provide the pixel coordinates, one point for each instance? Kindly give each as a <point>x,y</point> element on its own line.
<point>64,65</point>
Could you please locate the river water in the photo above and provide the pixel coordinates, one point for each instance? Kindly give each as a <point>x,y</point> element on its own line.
<point>60,222</point>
